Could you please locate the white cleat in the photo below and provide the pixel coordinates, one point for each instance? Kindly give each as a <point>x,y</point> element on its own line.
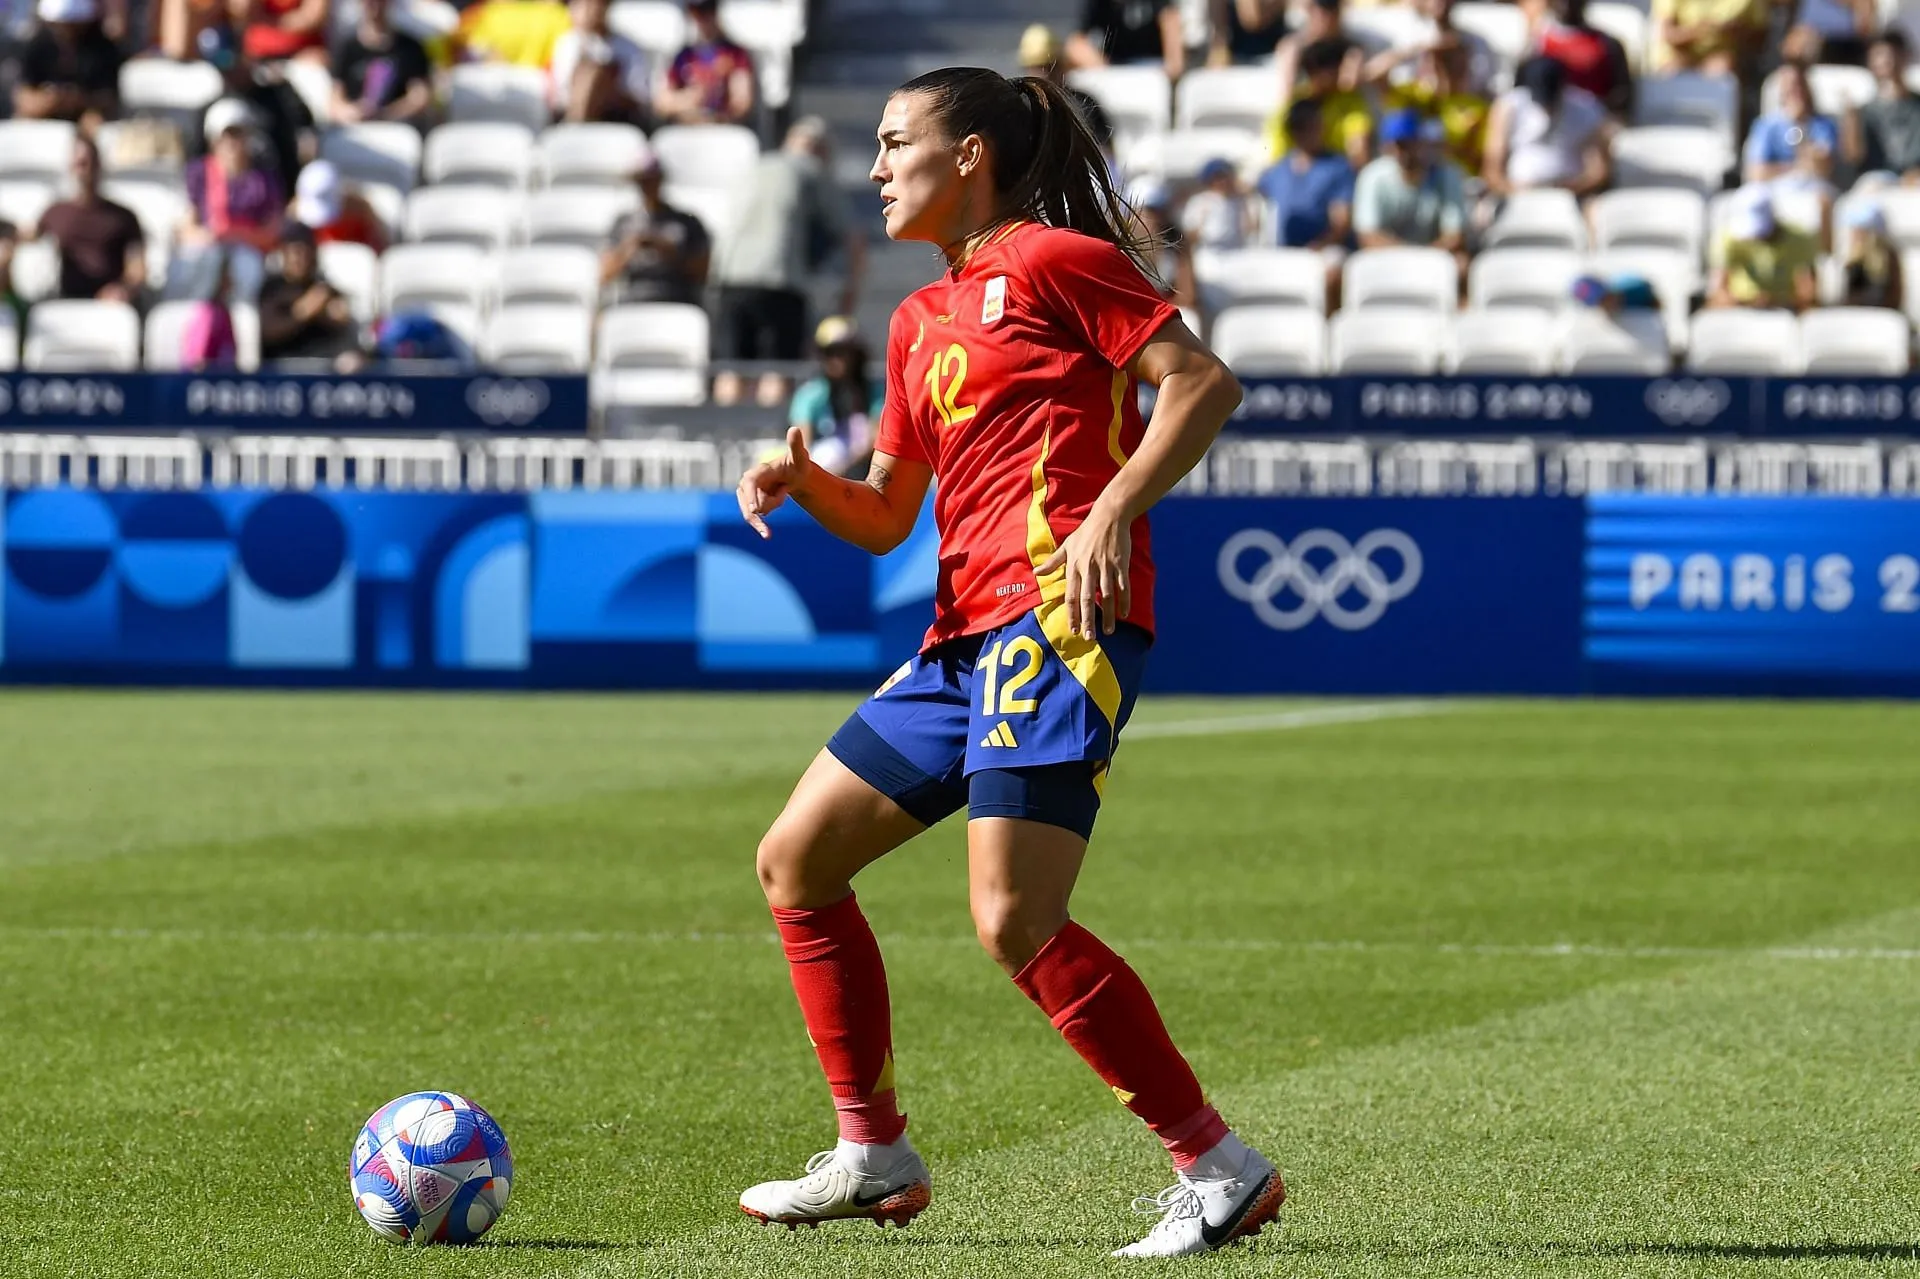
<point>1200,1216</point>
<point>836,1189</point>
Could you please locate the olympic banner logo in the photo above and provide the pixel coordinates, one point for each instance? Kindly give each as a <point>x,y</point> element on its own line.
<point>1322,573</point>
<point>507,401</point>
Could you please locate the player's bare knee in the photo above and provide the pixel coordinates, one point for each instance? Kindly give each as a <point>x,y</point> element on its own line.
<point>1011,932</point>
<point>779,862</point>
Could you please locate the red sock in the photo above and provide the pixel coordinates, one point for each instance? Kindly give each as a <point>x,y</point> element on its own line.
<point>842,987</point>
<point>1103,1009</point>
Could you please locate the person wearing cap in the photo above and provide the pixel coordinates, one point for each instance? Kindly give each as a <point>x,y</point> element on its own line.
<point>1408,196</point>
<point>333,212</point>
<point>656,253</point>
<point>1870,258</point>
<point>1760,261</point>
<point>302,316</point>
<point>1545,132</point>
<point>1883,136</point>
<point>1041,55</point>
<point>258,92</point>
<point>69,69</point>
<point>235,209</point>
<point>1219,215</point>
<point>1441,89</point>
<point>838,409</point>
<point>598,75</point>
<point>103,251</point>
<point>1129,32</point>
<point>711,79</point>
<point>1153,209</point>
<point>1346,116</point>
<point>1244,31</point>
<point>380,73</point>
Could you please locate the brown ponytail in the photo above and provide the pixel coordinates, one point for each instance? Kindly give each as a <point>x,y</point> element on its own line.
<point>1047,166</point>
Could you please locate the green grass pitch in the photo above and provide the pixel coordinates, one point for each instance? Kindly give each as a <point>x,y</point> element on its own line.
<point>1509,989</point>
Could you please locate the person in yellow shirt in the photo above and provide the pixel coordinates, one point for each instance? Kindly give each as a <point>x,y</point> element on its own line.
<point>1439,90</point>
<point>520,32</point>
<point>1718,37</point>
<point>1346,114</point>
<point>1763,263</point>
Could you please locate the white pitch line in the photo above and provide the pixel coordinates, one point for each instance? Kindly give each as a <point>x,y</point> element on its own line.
<point>1307,717</point>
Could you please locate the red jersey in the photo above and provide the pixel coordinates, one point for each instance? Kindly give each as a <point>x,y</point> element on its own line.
<point>1009,379</point>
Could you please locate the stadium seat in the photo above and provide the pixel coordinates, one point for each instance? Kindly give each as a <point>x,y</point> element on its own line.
<point>1626,23</point>
<point>375,151</point>
<point>1541,278</point>
<point>1386,339</point>
<point>1137,99</point>
<point>415,274</point>
<point>579,215</point>
<point>167,321</point>
<point>1686,156</point>
<point>1836,89</point>
<point>36,268</point>
<point>479,155</point>
<point>160,206</point>
<point>547,274</point>
<point>482,216</point>
<point>718,157</point>
<point>161,86</point>
<point>1542,219</point>
<point>651,354</point>
<point>23,200</point>
<point>590,154</point>
<point>82,335</point>
<point>1180,155</point>
<point>38,149</point>
<point>1510,340</point>
<point>658,26</point>
<point>1855,341</point>
<point>1675,279</point>
<point>716,209</point>
<point>1271,341</point>
<point>1400,277</point>
<point>770,30</point>
<point>1377,28</point>
<point>497,92</point>
<point>1900,206</point>
<point>1233,97</point>
<point>541,338</point>
<point>1650,216</point>
<point>1502,26</point>
<point>9,340</point>
<point>1736,341</point>
<point>354,269</point>
<point>313,82</point>
<point>1796,207</point>
<point>1633,343</point>
<point>1231,277</point>
<point>461,318</point>
<point>1703,101</point>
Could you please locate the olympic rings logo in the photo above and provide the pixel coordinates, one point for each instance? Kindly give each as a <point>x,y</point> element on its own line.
<point>1349,571</point>
<point>507,401</point>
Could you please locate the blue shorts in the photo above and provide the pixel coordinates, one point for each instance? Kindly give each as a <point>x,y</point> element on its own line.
<point>1020,721</point>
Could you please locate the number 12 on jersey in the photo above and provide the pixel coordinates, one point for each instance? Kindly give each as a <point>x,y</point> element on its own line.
<point>1020,655</point>
<point>946,374</point>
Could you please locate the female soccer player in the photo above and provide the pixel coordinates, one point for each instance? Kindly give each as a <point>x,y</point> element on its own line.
<point>1011,380</point>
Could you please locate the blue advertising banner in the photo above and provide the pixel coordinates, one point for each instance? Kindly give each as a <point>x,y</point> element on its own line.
<point>366,404</point>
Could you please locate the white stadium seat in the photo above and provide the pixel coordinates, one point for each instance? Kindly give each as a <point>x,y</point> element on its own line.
<point>1674,277</point>
<point>1271,341</point>
<point>461,318</point>
<point>1705,101</point>
<point>1541,278</point>
<point>375,151</point>
<point>481,216</point>
<point>41,149</point>
<point>1548,218</point>
<point>479,154</point>
<point>1674,155</point>
<point>547,274</point>
<point>1379,28</point>
<point>36,268</point>
<point>1138,100</point>
<point>770,30</point>
<point>161,86</point>
<point>1510,340</point>
<point>9,340</point>
<point>658,26</point>
<point>313,82</point>
<point>1230,277</point>
<point>1180,155</point>
<point>160,206</point>
<point>1400,277</point>
<point>590,154</point>
<point>1387,339</point>
<point>1502,26</point>
<point>1667,217</point>
<point>539,339</point>
<point>1627,23</point>
<point>651,354</point>
<point>167,322</point>
<point>354,269</point>
<point>497,92</point>
<point>719,157</point>
<point>1836,89</point>
<point>1236,97</point>
<point>1899,205</point>
<point>1632,344</point>
<point>23,200</point>
<point>1852,341</point>
<point>412,275</point>
<point>82,335</point>
<point>1737,341</point>
<point>581,215</point>
<point>717,210</point>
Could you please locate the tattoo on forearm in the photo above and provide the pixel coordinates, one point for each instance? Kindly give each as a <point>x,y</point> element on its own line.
<point>878,477</point>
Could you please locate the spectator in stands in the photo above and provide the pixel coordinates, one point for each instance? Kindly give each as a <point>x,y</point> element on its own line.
<point>380,73</point>
<point>1791,138</point>
<point>207,339</point>
<point>1884,135</point>
<point>261,93</point>
<point>1346,117</point>
<point>277,29</point>
<point>1717,37</point>
<point>1409,196</point>
<point>1322,24</point>
<point>520,33</point>
<point>711,80</point>
<point>414,336</point>
<point>1762,262</point>
<point>1172,262</point>
<point>103,252</point>
<point>10,300</point>
<point>69,69</point>
<point>302,317</point>
<point>839,409</point>
<point>1244,31</point>
<point>792,219</point>
<point>1441,90</point>
<point>597,73</point>
<point>1041,55</point>
<point>1831,31</point>
<point>657,253</point>
<point>1220,215</point>
<point>1123,32</point>
<point>173,27</point>
<point>1545,132</point>
<point>1872,260</point>
<point>1311,190</point>
<point>1595,61</point>
<point>1625,292</point>
<point>233,222</point>
<point>332,212</point>
<point>1436,30</point>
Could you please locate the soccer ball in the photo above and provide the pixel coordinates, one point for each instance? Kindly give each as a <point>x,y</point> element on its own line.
<point>431,1167</point>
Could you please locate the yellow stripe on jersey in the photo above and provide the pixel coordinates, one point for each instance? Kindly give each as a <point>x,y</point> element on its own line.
<point>1120,380</point>
<point>1084,657</point>
<point>1005,231</point>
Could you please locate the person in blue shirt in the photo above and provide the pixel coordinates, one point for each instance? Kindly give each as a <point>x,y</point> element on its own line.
<point>839,409</point>
<point>1791,139</point>
<point>1311,190</point>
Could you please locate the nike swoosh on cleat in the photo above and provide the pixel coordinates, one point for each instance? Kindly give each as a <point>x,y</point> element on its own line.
<point>865,1201</point>
<point>1214,1236</point>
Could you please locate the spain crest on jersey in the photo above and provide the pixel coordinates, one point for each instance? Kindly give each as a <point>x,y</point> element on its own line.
<point>994,304</point>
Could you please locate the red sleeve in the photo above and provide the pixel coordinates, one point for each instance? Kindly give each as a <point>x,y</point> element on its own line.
<point>1096,291</point>
<point>897,435</point>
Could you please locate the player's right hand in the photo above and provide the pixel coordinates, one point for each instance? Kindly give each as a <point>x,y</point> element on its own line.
<point>767,484</point>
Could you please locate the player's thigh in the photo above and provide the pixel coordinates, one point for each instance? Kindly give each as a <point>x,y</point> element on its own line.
<point>835,824</point>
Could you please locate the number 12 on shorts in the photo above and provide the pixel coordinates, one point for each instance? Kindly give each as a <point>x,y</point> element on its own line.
<point>1020,656</point>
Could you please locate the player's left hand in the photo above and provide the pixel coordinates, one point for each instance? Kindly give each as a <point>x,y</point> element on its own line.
<point>1099,588</point>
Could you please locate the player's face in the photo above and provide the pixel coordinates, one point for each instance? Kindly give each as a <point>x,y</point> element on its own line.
<point>918,173</point>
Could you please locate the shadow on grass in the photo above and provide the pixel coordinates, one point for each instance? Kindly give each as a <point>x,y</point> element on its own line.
<point>1832,1251</point>
<point>565,1245</point>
